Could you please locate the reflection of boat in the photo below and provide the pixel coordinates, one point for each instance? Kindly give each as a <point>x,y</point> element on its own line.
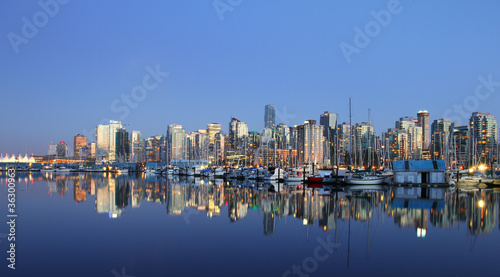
<point>122,171</point>
<point>366,187</point>
<point>365,180</point>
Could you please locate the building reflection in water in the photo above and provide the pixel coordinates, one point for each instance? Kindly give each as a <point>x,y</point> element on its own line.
<point>410,207</point>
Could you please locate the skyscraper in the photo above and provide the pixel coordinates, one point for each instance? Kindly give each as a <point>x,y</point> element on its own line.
<point>270,116</point>
<point>238,131</point>
<point>413,150</point>
<point>80,141</point>
<point>114,126</point>
<point>364,142</point>
<point>329,122</point>
<point>102,142</point>
<point>176,142</point>
<point>423,121</point>
<point>137,147</point>
<point>310,142</point>
<point>483,135</point>
<point>122,146</point>
<point>441,131</point>
<point>62,150</point>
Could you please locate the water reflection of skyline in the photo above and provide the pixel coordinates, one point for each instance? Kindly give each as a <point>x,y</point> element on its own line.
<point>410,207</point>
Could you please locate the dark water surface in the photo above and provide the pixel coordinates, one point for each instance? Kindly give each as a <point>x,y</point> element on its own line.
<point>82,224</point>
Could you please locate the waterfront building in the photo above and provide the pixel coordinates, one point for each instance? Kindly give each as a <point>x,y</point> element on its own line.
<point>483,135</point>
<point>423,121</point>
<point>79,141</point>
<point>329,122</point>
<point>114,126</point>
<point>122,145</point>
<point>102,142</point>
<point>441,131</point>
<point>310,143</point>
<point>460,147</point>
<point>92,149</point>
<point>418,172</point>
<point>212,130</point>
<point>363,154</point>
<point>52,149</point>
<point>413,149</point>
<point>345,134</point>
<point>197,145</point>
<point>176,142</point>
<point>270,116</point>
<point>137,148</point>
<point>152,149</point>
<point>237,132</point>
<point>62,150</point>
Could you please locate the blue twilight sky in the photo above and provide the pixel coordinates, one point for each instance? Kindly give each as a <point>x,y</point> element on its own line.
<point>230,58</point>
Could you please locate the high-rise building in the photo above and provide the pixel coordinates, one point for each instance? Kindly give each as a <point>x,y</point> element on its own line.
<point>114,126</point>
<point>345,134</point>
<point>92,149</point>
<point>62,150</point>
<point>176,142</point>
<point>423,121</point>
<point>212,130</point>
<point>122,146</point>
<point>152,149</point>
<point>52,149</point>
<point>102,142</point>
<point>413,149</point>
<point>364,141</point>
<point>484,136</point>
<point>441,134</point>
<point>270,116</point>
<point>219,148</point>
<point>80,141</point>
<point>137,147</point>
<point>238,131</point>
<point>460,147</point>
<point>329,122</point>
<point>310,142</point>
<point>197,145</point>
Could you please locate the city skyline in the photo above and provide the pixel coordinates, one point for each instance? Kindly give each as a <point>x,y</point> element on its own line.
<point>74,74</point>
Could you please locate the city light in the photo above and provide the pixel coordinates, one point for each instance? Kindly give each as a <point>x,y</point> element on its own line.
<point>481,204</point>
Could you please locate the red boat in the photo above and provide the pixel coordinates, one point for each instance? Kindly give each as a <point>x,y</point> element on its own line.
<point>315,179</point>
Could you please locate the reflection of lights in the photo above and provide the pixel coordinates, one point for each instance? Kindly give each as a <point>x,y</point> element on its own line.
<point>304,222</point>
<point>421,232</point>
<point>382,197</point>
<point>481,204</point>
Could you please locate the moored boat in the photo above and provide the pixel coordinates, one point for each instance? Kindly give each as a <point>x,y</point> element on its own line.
<point>365,180</point>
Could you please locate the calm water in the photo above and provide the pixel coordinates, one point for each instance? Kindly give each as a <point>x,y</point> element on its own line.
<point>128,225</point>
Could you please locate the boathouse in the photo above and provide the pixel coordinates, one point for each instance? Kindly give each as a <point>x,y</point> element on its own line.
<point>419,172</point>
